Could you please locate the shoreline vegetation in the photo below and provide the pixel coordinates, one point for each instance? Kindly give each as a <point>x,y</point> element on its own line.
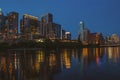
<point>47,44</point>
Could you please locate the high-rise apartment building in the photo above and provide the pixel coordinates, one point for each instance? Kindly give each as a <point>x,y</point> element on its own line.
<point>52,31</point>
<point>115,38</point>
<point>96,38</point>
<point>48,28</point>
<point>57,30</point>
<point>86,35</point>
<point>29,27</point>
<point>2,25</point>
<point>63,34</point>
<point>12,25</point>
<point>2,19</point>
<point>47,18</point>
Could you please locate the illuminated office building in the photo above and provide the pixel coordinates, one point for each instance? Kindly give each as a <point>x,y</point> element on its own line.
<point>63,34</point>
<point>32,28</point>
<point>96,38</point>
<point>12,25</point>
<point>46,25</point>
<point>115,38</point>
<point>2,19</point>
<point>48,28</point>
<point>81,31</point>
<point>86,35</point>
<point>29,27</point>
<point>68,35</point>
<point>47,18</point>
<point>108,39</point>
<point>2,25</point>
<point>53,31</point>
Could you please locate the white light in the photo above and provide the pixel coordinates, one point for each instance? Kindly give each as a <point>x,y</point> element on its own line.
<point>40,40</point>
<point>67,33</point>
<point>30,16</point>
<point>81,22</point>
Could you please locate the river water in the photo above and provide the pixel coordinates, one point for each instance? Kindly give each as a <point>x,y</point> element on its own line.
<point>60,64</point>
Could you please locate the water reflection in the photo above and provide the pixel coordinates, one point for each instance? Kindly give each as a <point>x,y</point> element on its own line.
<point>55,64</point>
<point>113,54</point>
<point>66,55</point>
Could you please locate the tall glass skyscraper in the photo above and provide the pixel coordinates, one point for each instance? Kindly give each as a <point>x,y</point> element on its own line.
<point>81,31</point>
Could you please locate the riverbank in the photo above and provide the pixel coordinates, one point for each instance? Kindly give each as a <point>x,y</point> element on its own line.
<point>46,44</point>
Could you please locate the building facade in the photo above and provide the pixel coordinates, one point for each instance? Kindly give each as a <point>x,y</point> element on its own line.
<point>112,39</point>
<point>48,28</point>
<point>81,31</point>
<point>115,39</point>
<point>2,25</point>
<point>63,34</point>
<point>96,38</point>
<point>29,27</point>
<point>2,19</point>
<point>86,35</point>
<point>67,35</point>
<point>47,18</point>
<point>12,25</point>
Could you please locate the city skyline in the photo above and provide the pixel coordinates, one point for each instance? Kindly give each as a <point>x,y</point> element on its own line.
<point>31,27</point>
<point>99,16</point>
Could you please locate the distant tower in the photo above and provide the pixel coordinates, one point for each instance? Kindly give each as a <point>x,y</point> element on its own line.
<point>2,19</point>
<point>81,31</point>
<point>1,11</point>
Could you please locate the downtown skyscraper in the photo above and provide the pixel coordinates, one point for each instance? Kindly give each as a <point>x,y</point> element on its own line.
<point>9,25</point>
<point>50,29</point>
<point>12,25</point>
<point>2,19</point>
<point>29,27</point>
<point>81,31</point>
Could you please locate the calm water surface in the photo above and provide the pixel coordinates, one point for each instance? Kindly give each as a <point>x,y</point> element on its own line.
<point>61,64</point>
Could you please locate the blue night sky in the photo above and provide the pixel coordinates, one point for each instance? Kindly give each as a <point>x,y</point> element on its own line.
<point>98,15</point>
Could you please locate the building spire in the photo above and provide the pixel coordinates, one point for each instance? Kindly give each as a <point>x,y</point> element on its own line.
<point>0,11</point>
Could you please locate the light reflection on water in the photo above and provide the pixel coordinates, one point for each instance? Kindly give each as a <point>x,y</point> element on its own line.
<point>60,64</point>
